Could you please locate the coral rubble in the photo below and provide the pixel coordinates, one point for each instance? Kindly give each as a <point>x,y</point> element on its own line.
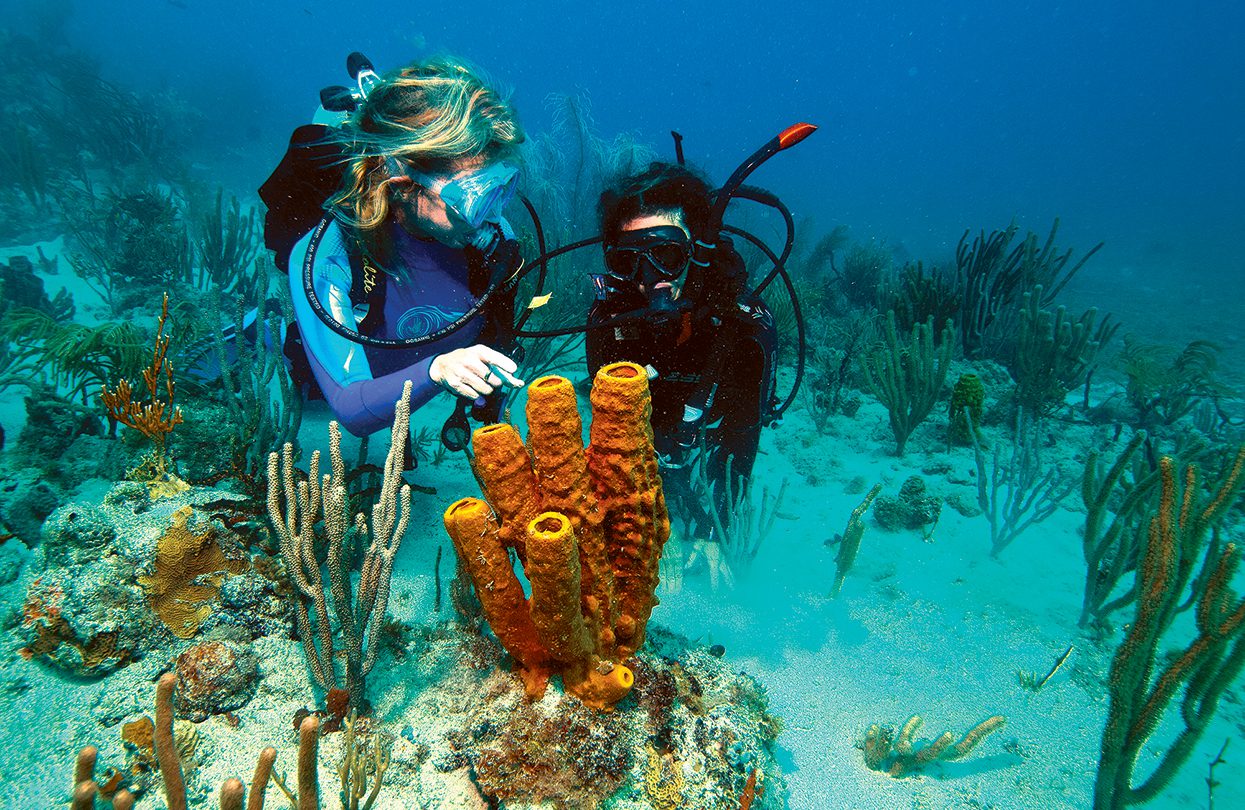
<point>691,731</point>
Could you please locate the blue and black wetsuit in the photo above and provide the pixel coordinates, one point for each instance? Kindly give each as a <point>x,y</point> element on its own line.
<point>428,287</point>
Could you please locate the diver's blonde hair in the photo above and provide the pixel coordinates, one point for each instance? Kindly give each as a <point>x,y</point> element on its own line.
<point>428,114</point>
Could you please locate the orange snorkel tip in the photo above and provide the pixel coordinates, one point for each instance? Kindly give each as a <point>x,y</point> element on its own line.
<point>794,134</point>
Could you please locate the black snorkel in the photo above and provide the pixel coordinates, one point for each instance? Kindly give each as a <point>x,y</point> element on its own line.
<point>678,147</point>
<point>700,259</point>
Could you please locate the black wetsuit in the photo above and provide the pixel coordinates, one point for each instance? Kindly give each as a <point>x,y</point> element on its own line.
<point>681,352</point>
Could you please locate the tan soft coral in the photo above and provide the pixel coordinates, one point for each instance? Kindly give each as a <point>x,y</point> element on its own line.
<point>588,524</point>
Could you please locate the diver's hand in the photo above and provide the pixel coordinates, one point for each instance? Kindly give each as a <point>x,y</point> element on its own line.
<point>473,371</point>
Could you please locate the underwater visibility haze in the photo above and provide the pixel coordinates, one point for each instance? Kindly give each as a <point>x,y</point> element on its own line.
<point>914,481</point>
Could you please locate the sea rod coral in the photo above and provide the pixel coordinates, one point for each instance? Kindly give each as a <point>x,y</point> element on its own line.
<point>1142,684</point>
<point>295,508</point>
<point>116,788</point>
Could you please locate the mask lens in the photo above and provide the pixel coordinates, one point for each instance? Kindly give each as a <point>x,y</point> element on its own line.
<point>661,253</point>
<point>471,209</point>
<point>670,258</point>
<point>623,264</point>
<point>480,196</point>
<point>492,203</point>
<point>486,202</point>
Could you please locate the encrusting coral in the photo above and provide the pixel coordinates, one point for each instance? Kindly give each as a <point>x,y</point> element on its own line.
<point>588,524</point>
<point>189,569</point>
<point>663,781</point>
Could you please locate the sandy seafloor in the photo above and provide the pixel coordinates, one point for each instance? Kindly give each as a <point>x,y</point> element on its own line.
<point>935,628</point>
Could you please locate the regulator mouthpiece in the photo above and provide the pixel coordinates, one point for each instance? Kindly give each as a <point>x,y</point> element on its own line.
<point>661,301</point>
<point>486,238</point>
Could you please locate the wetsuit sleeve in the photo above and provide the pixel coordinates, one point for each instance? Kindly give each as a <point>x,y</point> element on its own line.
<point>367,406</point>
<point>362,403</point>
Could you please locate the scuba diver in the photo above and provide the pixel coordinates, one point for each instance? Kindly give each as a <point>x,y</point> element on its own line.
<point>390,284</point>
<point>708,343</point>
<point>411,273</point>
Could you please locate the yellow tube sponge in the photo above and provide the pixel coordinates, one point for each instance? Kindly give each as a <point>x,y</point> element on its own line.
<point>623,468</point>
<point>477,540</point>
<point>555,437</point>
<point>505,470</point>
<point>601,686</point>
<point>590,525</point>
<point>553,569</point>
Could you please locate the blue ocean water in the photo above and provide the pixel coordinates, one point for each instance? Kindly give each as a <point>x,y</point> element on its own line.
<point>1124,121</point>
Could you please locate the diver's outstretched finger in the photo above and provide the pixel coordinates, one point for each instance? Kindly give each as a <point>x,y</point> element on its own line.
<point>509,378</point>
<point>503,365</point>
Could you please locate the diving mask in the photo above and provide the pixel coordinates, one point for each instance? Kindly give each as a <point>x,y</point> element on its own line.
<point>475,196</point>
<point>649,256</point>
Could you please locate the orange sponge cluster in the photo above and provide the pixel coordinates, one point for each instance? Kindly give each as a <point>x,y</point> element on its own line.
<point>588,525</point>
